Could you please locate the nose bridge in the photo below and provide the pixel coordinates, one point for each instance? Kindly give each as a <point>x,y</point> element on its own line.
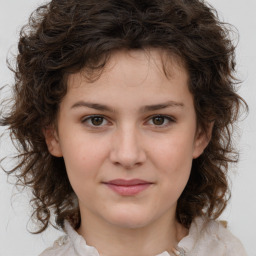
<point>127,147</point>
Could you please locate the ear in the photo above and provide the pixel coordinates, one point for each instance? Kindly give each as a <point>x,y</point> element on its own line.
<point>52,141</point>
<point>202,140</point>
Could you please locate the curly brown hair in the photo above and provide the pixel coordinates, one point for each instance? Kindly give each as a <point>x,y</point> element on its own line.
<point>66,36</point>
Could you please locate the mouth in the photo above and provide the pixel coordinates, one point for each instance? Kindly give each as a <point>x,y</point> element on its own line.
<point>128,187</point>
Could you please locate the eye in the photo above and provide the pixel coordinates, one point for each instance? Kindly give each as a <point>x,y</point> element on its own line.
<point>161,120</point>
<point>95,121</point>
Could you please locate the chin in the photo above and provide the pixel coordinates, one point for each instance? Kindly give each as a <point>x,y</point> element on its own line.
<point>129,220</point>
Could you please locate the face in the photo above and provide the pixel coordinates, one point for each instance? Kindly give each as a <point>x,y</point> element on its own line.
<point>128,139</point>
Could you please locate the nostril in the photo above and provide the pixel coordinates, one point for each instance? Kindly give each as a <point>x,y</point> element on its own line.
<point>126,149</point>
<point>127,165</point>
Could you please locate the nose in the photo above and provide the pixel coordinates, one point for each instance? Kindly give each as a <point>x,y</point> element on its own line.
<point>127,149</point>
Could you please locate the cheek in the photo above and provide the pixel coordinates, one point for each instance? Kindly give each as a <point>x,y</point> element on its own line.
<point>174,159</point>
<point>83,159</point>
<point>174,151</point>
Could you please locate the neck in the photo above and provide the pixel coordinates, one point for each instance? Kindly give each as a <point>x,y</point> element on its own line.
<point>110,240</point>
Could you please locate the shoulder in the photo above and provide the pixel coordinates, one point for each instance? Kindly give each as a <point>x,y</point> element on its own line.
<point>70,244</point>
<point>216,231</point>
<point>61,246</point>
<point>209,237</point>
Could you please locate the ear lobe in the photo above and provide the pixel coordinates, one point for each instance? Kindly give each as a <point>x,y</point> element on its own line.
<point>202,140</point>
<point>52,141</point>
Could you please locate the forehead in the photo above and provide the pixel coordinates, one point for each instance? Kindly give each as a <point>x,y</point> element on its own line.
<point>126,62</point>
<point>130,81</point>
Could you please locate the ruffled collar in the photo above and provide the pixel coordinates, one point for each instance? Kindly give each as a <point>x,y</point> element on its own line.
<point>185,245</point>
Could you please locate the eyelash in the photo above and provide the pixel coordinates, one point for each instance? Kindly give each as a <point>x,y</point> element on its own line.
<point>89,118</point>
<point>168,119</point>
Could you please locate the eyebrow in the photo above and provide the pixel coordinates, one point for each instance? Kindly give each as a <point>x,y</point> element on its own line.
<point>162,106</point>
<point>146,108</point>
<point>92,105</point>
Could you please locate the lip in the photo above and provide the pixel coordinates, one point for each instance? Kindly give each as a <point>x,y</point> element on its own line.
<point>128,187</point>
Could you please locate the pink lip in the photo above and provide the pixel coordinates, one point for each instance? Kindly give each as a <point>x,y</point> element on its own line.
<point>128,187</point>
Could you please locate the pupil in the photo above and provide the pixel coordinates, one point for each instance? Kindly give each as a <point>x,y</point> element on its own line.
<point>97,120</point>
<point>158,120</point>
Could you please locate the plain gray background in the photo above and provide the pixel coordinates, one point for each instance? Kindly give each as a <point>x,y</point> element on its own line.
<point>15,240</point>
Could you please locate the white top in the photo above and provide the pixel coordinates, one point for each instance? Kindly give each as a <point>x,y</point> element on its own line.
<point>205,238</point>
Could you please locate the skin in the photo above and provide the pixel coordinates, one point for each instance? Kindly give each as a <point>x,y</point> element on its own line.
<point>129,142</point>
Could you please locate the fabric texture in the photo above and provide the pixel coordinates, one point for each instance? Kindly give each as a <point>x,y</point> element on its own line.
<point>209,238</point>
